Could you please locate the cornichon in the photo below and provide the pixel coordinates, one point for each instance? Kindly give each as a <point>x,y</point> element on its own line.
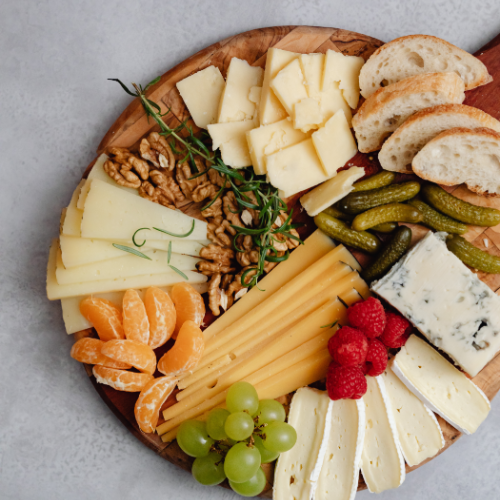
<point>396,247</point>
<point>376,181</point>
<point>472,256</point>
<point>437,221</point>
<point>394,212</point>
<point>340,231</point>
<point>385,227</point>
<point>459,209</point>
<point>335,212</point>
<point>355,203</point>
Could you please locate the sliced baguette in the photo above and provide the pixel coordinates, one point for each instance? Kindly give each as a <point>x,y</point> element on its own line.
<point>387,109</point>
<point>462,155</point>
<point>416,54</point>
<point>400,148</point>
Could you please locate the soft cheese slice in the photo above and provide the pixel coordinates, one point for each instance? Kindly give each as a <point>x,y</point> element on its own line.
<point>296,468</point>
<point>235,104</point>
<point>202,93</point>
<point>345,434</point>
<point>288,85</point>
<point>441,386</point>
<point>307,114</point>
<point>269,139</point>
<point>112,214</point>
<point>344,70</point>
<point>331,191</point>
<point>418,430</point>
<point>334,143</point>
<point>72,218</point>
<point>312,68</point>
<point>382,462</point>
<point>446,301</point>
<point>270,109</point>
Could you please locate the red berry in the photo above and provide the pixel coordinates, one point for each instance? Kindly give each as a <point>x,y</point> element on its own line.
<point>345,382</point>
<point>348,346</point>
<point>376,358</point>
<point>368,316</point>
<point>396,331</point>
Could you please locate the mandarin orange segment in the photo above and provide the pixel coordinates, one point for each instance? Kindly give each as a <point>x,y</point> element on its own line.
<point>139,355</point>
<point>88,350</point>
<point>151,398</point>
<point>186,352</point>
<point>104,316</point>
<point>189,305</point>
<point>135,319</point>
<point>161,313</point>
<point>121,380</point>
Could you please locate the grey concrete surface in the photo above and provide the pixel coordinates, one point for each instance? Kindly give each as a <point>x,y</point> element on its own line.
<point>58,440</point>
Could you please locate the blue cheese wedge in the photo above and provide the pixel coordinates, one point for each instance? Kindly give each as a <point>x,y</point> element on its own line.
<point>441,386</point>
<point>446,301</point>
<point>382,462</point>
<point>419,433</point>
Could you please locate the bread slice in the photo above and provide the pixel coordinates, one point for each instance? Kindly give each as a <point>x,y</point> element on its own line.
<point>462,155</point>
<point>399,149</point>
<point>416,54</point>
<point>387,109</point>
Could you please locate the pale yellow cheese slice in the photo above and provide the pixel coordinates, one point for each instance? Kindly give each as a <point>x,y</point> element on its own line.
<point>288,86</point>
<point>307,114</point>
<point>312,68</point>
<point>333,101</point>
<point>72,218</point>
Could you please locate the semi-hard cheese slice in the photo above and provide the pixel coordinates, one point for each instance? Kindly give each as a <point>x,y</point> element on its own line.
<point>288,85</point>
<point>112,214</point>
<point>307,114</point>
<point>419,433</point>
<point>446,390</point>
<point>333,101</point>
<point>235,104</point>
<point>202,93</point>
<point>382,462</point>
<point>72,217</point>
<point>446,301</point>
<point>331,191</point>
<point>312,68</point>
<point>338,479</point>
<point>293,478</point>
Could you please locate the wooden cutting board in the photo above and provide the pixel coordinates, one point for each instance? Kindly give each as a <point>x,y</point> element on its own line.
<point>131,126</point>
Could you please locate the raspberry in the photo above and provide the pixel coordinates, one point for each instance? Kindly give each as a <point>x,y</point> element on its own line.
<point>368,316</point>
<point>348,346</point>
<point>376,358</point>
<point>345,382</point>
<point>396,331</point>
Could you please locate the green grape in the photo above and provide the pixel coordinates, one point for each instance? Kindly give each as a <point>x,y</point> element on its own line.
<point>270,411</point>
<point>241,463</point>
<point>251,488</point>
<point>215,423</point>
<point>209,470</point>
<point>279,436</point>
<point>193,438</point>
<point>266,455</point>
<point>242,396</point>
<point>239,426</point>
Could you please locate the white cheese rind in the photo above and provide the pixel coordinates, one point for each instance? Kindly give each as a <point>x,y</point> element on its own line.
<point>441,386</point>
<point>446,301</point>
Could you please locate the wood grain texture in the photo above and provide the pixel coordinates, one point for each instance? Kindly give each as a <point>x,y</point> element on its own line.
<point>252,46</point>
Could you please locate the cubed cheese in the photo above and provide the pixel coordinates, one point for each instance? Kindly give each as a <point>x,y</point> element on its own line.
<point>312,68</point>
<point>307,114</point>
<point>288,85</point>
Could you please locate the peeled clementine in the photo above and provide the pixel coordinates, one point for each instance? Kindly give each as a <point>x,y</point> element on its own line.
<point>161,314</point>
<point>104,316</point>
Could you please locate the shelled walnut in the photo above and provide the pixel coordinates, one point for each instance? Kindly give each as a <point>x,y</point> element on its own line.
<point>157,150</point>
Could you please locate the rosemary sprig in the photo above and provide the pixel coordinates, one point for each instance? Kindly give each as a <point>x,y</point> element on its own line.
<point>169,256</point>
<point>133,238</point>
<point>132,251</point>
<point>185,235</point>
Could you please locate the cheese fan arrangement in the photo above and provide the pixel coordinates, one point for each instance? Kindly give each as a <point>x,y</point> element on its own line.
<point>195,218</point>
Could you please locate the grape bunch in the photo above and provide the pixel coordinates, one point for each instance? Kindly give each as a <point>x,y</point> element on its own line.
<point>234,442</point>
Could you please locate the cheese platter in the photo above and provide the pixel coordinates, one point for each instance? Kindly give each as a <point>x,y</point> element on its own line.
<point>283,100</point>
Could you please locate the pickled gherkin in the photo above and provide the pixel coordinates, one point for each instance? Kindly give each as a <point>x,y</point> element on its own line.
<point>335,212</point>
<point>437,221</point>
<point>376,181</point>
<point>385,227</point>
<point>394,212</point>
<point>472,256</point>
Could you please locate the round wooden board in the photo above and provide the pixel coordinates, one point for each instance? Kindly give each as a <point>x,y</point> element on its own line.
<point>252,46</point>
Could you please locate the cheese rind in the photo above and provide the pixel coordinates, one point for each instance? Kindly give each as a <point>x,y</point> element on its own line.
<point>72,218</point>
<point>288,85</point>
<point>441,386</point>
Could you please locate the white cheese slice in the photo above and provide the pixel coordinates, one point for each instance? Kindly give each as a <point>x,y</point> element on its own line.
<point>183,247</point>
<point>441,386</point>
<point>344,70</point>
<point>446,301</point>
<point>201,93</point>
<point>231,139</point>
<point>255,95</point>
<point>112,214</point>
<point>269,139</point>
<point>297,468</point>
<point>295,168</point>
<point>331,191</point>
<point>334,143</point>
<point>270,109</point>
<point>72,217</point>
<point>338,479</point>
<point>288,85</point>
<point>307,114</point>
<point>235,104</point>
<point>418,429</point>
<point>333,101</point>
<point>382,462</point>
<point>312,68</point>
